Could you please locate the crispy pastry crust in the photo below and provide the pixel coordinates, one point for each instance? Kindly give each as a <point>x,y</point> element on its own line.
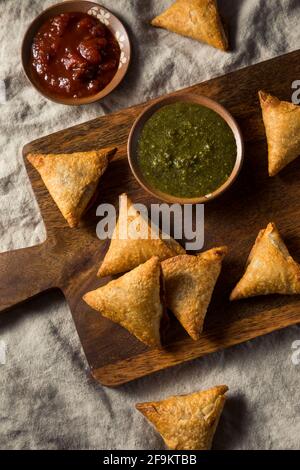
<point>125,254</point>
<point>282,124</point>
<point>72,178</point>
<point>270,268</point>
<point>134,301</point>
<point>190,281</point>
<point>198,19</point>
<point>187,422</point>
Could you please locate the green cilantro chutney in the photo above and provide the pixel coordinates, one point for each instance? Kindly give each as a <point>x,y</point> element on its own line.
<point>186,150</point>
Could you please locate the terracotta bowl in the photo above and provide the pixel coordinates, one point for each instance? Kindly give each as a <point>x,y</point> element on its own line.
<point>106,17</point>
<point>138,127</point>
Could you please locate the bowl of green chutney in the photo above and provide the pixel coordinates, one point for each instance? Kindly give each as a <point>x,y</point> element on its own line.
<point>185,149</point>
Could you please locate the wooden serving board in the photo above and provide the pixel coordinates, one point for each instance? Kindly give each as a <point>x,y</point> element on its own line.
<point>70,258</point>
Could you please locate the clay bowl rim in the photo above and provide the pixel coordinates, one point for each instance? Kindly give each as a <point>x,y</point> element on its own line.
<point>190,98</point>
<point>56,9</point>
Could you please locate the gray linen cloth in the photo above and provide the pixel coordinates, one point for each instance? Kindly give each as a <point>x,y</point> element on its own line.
<point>47,399</point>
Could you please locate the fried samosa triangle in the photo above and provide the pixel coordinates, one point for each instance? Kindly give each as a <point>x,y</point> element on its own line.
<point>187,422</point>
<point>134,242</point>
<point>189,284</point>
<point>72,178</point>
<point>198,19</point>
<point>270,268</point>
<point>134,301</point>
<point>282,124</point>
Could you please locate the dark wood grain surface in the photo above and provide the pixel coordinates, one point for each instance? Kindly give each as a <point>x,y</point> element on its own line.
<point>70,258</point>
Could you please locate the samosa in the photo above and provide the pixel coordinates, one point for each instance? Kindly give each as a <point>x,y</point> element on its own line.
<point>270,268</point>
<point>198,19</point>
<point>187,422</point>
<point>282,125</point>
<point>128,248</point>
<point>189,284</point>
<point>72,178</point>
<point>134,301</point>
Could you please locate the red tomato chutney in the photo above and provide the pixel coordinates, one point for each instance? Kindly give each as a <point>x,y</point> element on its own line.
<point>74,55</point>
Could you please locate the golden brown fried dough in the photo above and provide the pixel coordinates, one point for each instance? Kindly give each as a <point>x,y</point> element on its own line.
<point>134,301</point>
<point>125,254</point>
<point>72,178</point>
<point>270,268</point>
<point>282,124</point>
<point>187,422</point>
<point>189,283</point>
<point>198,19</point>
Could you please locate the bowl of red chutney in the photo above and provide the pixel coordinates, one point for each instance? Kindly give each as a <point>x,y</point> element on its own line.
<point>76,52</point>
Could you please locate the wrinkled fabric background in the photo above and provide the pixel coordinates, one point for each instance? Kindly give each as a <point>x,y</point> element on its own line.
<point>47,399</point>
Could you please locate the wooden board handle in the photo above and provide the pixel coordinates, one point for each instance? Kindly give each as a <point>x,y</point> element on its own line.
<point>24,274</point>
